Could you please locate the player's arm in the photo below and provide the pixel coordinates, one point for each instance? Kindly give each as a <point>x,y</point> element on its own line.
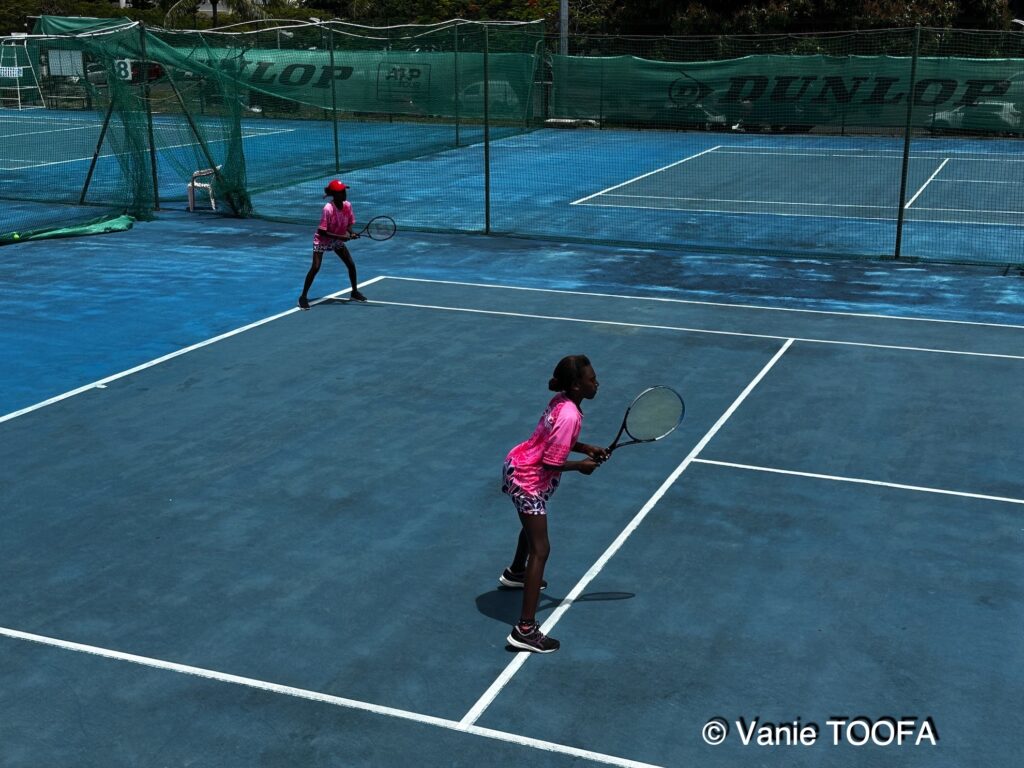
<point>596,452</point>
<point>586,466</point>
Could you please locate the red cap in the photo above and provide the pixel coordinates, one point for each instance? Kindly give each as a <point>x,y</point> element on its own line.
<point>334,186</point>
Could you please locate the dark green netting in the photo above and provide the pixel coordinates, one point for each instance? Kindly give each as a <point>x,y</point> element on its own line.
<point>893,142</point>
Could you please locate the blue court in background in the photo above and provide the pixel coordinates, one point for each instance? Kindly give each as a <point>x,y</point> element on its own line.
<point>726,191</point>
<point>240,534</point>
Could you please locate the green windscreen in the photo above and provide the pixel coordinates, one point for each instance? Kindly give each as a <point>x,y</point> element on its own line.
<point>896,143</point>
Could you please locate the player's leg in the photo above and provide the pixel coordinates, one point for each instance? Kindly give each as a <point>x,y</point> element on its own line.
<point>515,575</point>
<point>350,265</point>
<point>318,257</point>
<point>526,634</point>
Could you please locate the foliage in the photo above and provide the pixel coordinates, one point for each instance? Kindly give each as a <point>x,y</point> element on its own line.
<point>611,17</point>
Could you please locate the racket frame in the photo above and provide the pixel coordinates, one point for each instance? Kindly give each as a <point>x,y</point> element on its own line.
<point>366,230</point>
<point>633,441</point>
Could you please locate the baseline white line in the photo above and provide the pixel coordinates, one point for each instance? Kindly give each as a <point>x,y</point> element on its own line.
<point>861,481</point>
<point>921,154</point>
<point>324,698</point>
<point>918,193</point>
<point>644,175</point>
<point>521,658</point>
<point>651,326</point>
<point>752,202</point>
<point>101,383</point>
<point>959,222</point>
<point>669,300</point>
<point>974,181</point>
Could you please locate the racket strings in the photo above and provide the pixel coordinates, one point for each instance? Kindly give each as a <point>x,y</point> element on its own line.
<point>654,414</point>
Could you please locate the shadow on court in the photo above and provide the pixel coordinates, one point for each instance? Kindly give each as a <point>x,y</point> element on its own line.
<point>503,604</point>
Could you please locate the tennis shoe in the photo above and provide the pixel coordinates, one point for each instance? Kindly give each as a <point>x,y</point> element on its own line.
<point>303,302</point>
<point>516,580</point>
<point>357,296</point>
<point>532,640</point>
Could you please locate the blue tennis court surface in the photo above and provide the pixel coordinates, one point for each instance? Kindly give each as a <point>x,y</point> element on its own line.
<point>970,185</point>
<point>239,534</point>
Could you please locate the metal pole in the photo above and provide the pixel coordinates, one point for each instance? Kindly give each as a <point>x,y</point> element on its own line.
<point>563,28</point>
<point>455,80</point>
<point>96,154</point>
<point>334,103</point>
<point>487,139</point>
<point>144,70</point>
<point>906,142</point>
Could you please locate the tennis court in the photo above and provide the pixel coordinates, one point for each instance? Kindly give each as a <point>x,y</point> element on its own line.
<point>972,185</point>
<point>299,565</point>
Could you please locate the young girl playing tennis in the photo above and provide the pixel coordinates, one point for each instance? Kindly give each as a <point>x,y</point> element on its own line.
<point>532,472</point>
<point>335,228</point>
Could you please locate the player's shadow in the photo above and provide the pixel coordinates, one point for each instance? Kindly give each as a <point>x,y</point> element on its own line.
<point>504,604</point>
<point>341,301</point>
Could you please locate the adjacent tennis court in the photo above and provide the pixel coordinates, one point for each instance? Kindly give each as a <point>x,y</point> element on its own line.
<point>851,183</point>
<point>299,566</point>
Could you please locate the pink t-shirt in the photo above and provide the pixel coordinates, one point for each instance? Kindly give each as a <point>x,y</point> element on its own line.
<point>335,220</point>
<point>550,443</point>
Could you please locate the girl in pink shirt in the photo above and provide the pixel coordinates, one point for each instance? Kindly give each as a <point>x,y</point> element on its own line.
<point>335,229</point>
<point>531,474</point>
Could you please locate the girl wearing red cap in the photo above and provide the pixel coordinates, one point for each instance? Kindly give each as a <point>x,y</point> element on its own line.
<point>335,228</point>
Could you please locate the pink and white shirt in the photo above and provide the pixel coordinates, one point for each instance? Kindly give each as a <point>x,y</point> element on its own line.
<point>550,443</point>
<point>336,220</point>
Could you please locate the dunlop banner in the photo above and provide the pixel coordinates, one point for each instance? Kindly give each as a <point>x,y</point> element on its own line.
<point>794,91</point>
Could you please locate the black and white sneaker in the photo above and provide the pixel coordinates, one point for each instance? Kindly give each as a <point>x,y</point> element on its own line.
<point>303,303</point>
<point>515,580</point>
<point>357,296</point>
<point>532,640</point>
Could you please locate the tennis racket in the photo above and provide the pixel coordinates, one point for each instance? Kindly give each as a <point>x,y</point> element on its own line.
<point>379,228</point>
<point>653,414</point>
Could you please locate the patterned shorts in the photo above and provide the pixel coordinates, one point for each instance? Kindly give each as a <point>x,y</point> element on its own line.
<point>321,243</point>
<point>525,503</point>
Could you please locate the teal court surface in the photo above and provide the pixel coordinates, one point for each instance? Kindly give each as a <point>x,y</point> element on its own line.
<point>239,534</point>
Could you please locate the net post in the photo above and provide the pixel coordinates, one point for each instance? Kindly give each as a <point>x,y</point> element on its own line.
<point>487,136</point>
<point>144,73</point>
<point>906,141</point>
<point>334,101</point>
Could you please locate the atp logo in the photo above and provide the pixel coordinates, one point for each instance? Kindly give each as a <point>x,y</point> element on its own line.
<point>404,74</point>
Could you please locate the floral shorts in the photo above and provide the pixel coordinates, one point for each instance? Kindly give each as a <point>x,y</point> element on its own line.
<point>321,243</point>
<point>525,503</point>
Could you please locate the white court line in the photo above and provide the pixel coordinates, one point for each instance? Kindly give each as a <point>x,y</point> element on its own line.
<point>324,698</point>
<point>165,146</point>
<point>824,153</point>
<point>514,666</point>
<point>862,481</point>
<point>669,300</point>
<point>752,202</point>
<point>920,154</point>
<point>711,332</point>
<point>644,175</point>
<point>102,383</point>
<point>975,181</point>
<point>918,193</point>
<point>959,222</point>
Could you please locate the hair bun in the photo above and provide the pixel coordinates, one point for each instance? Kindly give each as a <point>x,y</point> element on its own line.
<point>554,386</point>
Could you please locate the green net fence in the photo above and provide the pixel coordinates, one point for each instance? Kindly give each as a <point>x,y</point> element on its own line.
<point>896,143</point>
